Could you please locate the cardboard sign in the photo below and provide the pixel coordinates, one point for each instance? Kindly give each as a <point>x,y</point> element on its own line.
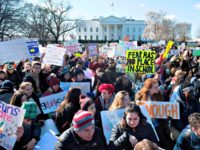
<point>140,61</point>
<point>33,47</point>
<point>92,49</point>
<point>54,55</point>
<point>161,109</point>
<point>121,65</point>
<point>126,46</point>
<point>73,46</point>
<point>112,118</point>
<point>50,103</point>
<point>196,52</point>
<point>13,51</point>
<point>84,86</point>
<point>169,45</point>
<point>11,117</point>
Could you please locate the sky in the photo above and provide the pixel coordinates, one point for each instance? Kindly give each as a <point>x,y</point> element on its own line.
<point>180,10</point>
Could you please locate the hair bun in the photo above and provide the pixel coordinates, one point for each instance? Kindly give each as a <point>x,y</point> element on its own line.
<point>82,96</point>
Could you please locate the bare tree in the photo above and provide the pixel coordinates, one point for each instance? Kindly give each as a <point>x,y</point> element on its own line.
<point>183,31</point>
<point>153,29</point>
<point>169,29</point>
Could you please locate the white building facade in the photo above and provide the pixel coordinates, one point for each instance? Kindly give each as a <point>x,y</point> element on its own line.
<point>111,28</point>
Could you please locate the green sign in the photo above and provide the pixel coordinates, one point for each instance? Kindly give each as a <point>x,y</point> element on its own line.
<point>196,52</point>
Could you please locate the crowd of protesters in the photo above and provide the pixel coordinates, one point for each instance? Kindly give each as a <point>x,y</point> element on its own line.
<point>176,79</point>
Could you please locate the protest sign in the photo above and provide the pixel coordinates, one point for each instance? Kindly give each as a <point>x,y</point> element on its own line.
<point>161,109</point>
<point>92,49</point>
<point>140,61</point>
<point>47,142</point>
<point>196,52</point>
<point>126,46</point>
<point>121,65</point>
<point>50,103</point>
<point>13,50</point>
<point>11,117</point>
<point>72,46</point>
<point>169,45</point>
<point>54,55</point>
<point>84,86</point>
<point>113,117</point>
<point>33,47</point>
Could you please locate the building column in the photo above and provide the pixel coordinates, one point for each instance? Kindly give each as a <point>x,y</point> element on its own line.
<point>115,32</point>
<point>101,32</point>
<point>123,33</point>
<point>108,32</point>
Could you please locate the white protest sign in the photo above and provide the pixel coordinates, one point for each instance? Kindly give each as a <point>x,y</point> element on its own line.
<point>84,86</point>
<point>54,55</point>
<point>161,109</point>
<point>112,118</point>
<point>47,142</point>
<point>50,103</point>
<point>127,46</point>
<point>11,117</point>
<point>13,50</point>
<point>72,46</point>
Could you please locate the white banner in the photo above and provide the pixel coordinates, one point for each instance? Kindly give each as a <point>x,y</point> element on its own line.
<point>54,55</point>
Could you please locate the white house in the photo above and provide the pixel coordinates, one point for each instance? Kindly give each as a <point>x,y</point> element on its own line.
<point>111,28</point>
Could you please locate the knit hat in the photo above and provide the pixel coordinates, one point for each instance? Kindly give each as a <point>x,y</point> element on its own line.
<point>9,66</point>
<point>82,119</point>
<point>85,102</point>
<point>64,71</point>
<point>108,87</point>
<point>31,110</point>
<point>7,84</point>
<point>52,80</point>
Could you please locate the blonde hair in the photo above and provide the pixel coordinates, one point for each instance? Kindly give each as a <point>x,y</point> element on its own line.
<point>23,85</point>
<point>118,100</point>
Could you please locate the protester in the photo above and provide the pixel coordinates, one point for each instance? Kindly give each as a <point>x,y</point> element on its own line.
<point>65,75</point>
<point>83,135</point>
<point>6,91</point>
<point>132,129</point>
<point>147,145</point>
<point>121,100</point>
<point>2,77</point>
<point>189,139</point>
<point>18,98</point>
<point>67,109</point>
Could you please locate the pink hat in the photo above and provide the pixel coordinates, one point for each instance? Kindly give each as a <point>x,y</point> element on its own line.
<point>85,102</point>
<point>108,87</point>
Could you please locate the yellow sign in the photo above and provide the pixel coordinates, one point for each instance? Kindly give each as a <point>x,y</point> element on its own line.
<point>78,55</point>
<point>140,61</point>
<point>169,45</point>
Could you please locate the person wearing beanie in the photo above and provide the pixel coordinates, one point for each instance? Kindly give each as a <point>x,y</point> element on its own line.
<point>106,98</point>
<point>31,128</point>
<point>6,91</point>
<point>65,75</point>
<point>54,86</point>
<point>83,135</point>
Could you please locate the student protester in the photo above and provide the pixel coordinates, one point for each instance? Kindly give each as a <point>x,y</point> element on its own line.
<point>121,100</point>
<point>6,91</point>
<point>67,109</point>
<point>189,139</point>
<point>18,98</point>
<point>83,135</point>
<point>65,75</point>
<point>132,129</point>
<point>146,145</point>
<point>23,69</point>
<point>2,77</point>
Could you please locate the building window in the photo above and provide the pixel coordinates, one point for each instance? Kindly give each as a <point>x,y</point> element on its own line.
<point>140,29</point>
<point>97,37</point>
<point>105,37</point>
<point>97,29</point>
<point>85,29</point>
<point>90,37</point>
<point>139,37</point>
<point>133,29</point>
<point>79,29</point>
<point>91,29</point>
<point>127,29</point>
<point>133,37</point>
<point>85,37</point>
<point>79,37</point>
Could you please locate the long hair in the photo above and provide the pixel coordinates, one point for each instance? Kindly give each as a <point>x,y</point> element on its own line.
<point>143,93</point>
<point>118,100</point>
<point>16,98</point>
<point>72,97</point>
<point>23,85</point>
<point>132,108</point>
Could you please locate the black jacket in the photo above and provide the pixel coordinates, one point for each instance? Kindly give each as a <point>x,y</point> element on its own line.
<point>120,137</point>
<point>69,140</point>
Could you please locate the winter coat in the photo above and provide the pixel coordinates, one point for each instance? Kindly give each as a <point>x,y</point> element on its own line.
<point>6,95</point>
<point>120,136</point>
<point>69,140</point>
<point>187,140</point>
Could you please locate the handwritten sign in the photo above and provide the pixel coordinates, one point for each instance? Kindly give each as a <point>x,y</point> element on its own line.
<point>112,118</point>
<point>13,50</point>
<point>161,109</point>
<point>73,46</point>
<point>140,61</point>
<point>84,86</point>
<point>50,103</point>
<point>126,46</point>
<point>121,65</point>
<point>92,49</point>
<point>54,55</point>
<point>10,118</point>
<point>169,45</point>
